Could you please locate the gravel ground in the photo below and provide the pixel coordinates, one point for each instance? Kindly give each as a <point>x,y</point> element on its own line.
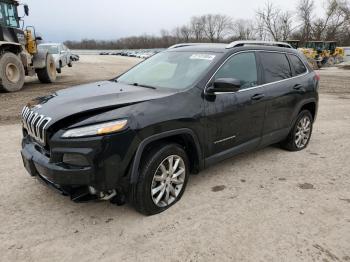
<point>269,205</point>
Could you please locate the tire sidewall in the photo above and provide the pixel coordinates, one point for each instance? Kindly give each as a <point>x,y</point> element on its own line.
<point>152,162</point>
<point>293,134</point>
<point>7,85</point>
<point>50,59</point>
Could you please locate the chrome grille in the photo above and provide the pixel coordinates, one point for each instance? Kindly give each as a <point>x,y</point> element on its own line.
<point>35,124</point>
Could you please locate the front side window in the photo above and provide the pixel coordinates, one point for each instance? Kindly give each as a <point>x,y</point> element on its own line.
<point>177,70</point>
<point>241,67</point>
<point>299,67</point>
<point>9,15</point>
<point>276,66</point>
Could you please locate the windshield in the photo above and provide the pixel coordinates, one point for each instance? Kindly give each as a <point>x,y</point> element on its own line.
<point>177,70</point>
<point>52,49</point>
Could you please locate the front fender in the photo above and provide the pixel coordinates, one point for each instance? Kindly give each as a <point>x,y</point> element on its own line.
<point>183,131</point>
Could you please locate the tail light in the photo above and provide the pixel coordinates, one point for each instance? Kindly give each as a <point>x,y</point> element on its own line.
<point>317,76</point>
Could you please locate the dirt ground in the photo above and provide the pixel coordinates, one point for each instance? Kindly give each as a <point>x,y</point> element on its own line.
<point>269,205</point>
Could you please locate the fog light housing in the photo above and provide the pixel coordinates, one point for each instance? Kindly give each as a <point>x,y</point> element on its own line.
<point>75,160</point>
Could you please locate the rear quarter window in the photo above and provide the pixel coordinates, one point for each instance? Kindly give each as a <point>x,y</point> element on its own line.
<point>276,66</point>
<point>298,65</point>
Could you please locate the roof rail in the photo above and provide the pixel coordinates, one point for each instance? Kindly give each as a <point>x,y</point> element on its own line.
<point>263,43</point>
<point>185,44</point>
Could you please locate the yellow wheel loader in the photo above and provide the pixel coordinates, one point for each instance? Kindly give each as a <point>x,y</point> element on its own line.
<point>19,55</point>
<point>323,53</point>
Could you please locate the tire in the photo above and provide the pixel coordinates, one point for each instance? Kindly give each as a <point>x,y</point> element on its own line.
<point>12,73</point>
<point>152,177</point>
<point>70,64</point>
<point>59,70</point>
<point>48,73</point>
<point>300,135</point>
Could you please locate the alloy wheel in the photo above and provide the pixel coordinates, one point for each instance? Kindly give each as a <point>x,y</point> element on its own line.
<point>303,132</point>
<point>168,181</point>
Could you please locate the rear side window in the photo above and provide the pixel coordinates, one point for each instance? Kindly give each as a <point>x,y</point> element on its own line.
<point>299,67</point>
<point>242,67</point>
<point>276,67</point>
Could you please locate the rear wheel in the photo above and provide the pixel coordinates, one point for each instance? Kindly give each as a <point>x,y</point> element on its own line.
<point>11,73</point>
<point>163,178</point>
<point>48,73</point>
<point>70,64</point>
<point>299,137</point>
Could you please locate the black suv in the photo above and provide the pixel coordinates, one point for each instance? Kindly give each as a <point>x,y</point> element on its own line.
<point>139,136</point>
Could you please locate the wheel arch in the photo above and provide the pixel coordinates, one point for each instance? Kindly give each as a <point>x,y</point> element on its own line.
<point>309,104</point>
<point>185,137</point>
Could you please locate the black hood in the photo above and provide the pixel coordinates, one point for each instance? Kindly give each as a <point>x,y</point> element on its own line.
<point>91,97</point>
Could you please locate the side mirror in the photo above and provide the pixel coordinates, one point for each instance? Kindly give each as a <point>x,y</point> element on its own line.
<point>224,85</point>
<point>26,9</point>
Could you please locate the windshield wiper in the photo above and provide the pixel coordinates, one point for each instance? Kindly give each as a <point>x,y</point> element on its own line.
<point>146,86</point>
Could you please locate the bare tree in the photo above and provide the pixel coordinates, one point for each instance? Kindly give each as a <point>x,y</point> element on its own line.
<point>216,26</point>
<point>260,31</point>
<point>243,29</point>
<point>209,27</point>
<point>338,14</point>
<point>305,11</point>
<point>185,33</point>
<point>286,20</point>
<point>223,25</point>
<point>197,25</point>
<point>270,17</point>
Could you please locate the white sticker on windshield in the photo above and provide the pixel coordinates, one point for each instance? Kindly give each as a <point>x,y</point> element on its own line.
<point>202,57</point>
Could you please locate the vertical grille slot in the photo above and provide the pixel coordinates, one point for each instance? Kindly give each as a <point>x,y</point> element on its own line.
<point>35,124</point>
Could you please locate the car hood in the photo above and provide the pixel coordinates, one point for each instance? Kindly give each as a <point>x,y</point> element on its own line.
<point>92,97</point>
<point>55,56</point>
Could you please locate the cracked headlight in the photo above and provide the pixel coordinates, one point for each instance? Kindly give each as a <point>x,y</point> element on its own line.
<point>98,129</point>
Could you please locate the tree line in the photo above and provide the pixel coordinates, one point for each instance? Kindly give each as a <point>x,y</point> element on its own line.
<point>270,23</point>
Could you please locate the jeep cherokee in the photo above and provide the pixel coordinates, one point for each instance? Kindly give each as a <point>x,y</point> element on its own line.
<point>138,137</point>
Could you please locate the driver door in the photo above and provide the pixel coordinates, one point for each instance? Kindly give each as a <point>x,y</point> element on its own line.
<point>235,119</point>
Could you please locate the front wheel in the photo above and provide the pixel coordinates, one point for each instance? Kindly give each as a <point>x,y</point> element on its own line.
<point>48,73</point>
<point>300,135</point>
<point>12,73</point>
<point>163,178</point>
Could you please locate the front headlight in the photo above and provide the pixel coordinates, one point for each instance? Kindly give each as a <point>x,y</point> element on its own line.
<point>99,129</point>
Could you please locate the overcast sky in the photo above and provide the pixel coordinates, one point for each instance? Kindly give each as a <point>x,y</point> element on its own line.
<point>59,20</point>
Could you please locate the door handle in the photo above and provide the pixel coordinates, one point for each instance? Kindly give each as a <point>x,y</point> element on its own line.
<point>298,87</point>
<point>257,96</point>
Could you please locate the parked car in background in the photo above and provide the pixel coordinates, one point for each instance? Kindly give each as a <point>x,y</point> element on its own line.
<point>75,58</point>
<point>61,54</point>
<point>347,54</point>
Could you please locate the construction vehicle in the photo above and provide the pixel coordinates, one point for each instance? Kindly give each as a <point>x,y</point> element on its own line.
<point>19,55</point>
<point>323,53</point>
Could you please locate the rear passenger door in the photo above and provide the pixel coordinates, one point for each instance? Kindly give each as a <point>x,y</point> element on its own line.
<point>284,91</point>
